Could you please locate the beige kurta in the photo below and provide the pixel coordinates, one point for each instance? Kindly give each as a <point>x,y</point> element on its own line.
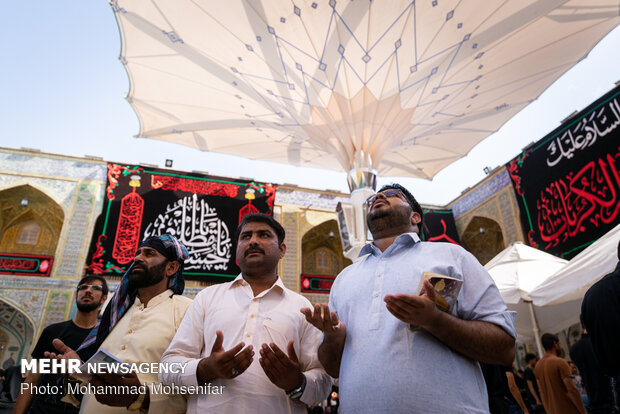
<point>142,335</point>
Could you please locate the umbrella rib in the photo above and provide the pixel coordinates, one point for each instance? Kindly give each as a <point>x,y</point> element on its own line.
<point>197,57</point>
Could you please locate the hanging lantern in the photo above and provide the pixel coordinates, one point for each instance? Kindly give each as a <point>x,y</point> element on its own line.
<point>248,208</point>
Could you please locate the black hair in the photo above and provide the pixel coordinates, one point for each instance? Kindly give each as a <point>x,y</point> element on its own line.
<point>90,278</point>
<point>548,340</point>
<point>529,357</point>
<point>415,206</point>
<point>261,218</point>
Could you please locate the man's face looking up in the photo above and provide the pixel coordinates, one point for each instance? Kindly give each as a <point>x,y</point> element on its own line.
<point>149,267</point>
<point>89,296</point>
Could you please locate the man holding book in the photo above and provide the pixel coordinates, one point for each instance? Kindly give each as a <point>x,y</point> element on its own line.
<point>378,325</point>
<point>137,327</point>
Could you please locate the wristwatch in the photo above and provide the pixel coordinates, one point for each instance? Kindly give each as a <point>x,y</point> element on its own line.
<point>297,392</point>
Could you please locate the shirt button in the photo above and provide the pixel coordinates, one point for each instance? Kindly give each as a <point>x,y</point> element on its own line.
<point>123,347</point>
<point>248,334</point>
<point>130,331</point>
<point>376,295</point>
<point>252,315</point>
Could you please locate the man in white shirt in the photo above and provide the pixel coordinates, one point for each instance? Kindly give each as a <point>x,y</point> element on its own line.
<point>256,309</point>
<point>377,325</point>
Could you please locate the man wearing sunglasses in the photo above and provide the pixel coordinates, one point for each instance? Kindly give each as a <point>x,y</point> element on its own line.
<point>91,292</point>
<point>377,326</point>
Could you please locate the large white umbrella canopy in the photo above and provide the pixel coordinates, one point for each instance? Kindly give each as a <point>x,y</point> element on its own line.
<point>516,271</point>
<point>402,88</point>
<point>571,282</point>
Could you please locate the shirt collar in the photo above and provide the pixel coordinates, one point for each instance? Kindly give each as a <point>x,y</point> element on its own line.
<point>404,239</point>
<point>156,299</point>
<point>240,281</point>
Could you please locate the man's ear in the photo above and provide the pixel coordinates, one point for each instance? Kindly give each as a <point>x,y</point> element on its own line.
<point>415,218</point>
<point>171,268</point>
<point>282,249</point>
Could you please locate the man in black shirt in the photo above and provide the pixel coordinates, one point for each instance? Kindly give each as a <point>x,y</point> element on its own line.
<point>598,385</point>
<point>530,383</point>
<point>92,292</point>
<point>600,310</point>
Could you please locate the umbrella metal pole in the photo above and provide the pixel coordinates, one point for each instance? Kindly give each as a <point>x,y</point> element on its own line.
<point>362,180</point>
<point>536,330</point>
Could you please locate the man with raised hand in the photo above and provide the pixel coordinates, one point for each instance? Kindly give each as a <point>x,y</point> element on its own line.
<point>137,327</point>
<point>92,291</point>
<point>377,326</point>
<point>258,310</point>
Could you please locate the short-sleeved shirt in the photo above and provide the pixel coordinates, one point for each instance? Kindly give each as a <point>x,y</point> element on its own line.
<point>414,371</point>
<point>72,335</point>
<point>528,375</point>
<point>553,373</point>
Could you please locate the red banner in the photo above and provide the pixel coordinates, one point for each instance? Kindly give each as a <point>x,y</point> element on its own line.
<point>25,264</point>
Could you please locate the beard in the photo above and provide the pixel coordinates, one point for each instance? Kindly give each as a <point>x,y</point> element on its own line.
<point>87,307</point>
<point>149,276</point>
<point>386,218</point>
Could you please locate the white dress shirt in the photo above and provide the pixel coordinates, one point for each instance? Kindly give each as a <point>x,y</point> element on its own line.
<point>271,316</point>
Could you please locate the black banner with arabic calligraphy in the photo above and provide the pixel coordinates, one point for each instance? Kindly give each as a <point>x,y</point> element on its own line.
<point>202,211</point>
<point>568,183</point>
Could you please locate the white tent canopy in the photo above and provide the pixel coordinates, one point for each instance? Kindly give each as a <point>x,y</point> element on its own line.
<point>570,283</point>
<point>546,291</point>
<point>516,271</point>
<point>400,87</point>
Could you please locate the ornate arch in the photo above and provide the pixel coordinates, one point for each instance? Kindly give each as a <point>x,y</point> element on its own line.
<point>15,322</point>
<point>22,205</point>
<point>322,250</point>
<point>483,237</point>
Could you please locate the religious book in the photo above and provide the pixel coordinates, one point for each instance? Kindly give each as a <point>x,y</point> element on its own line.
<point>102,362</point>
<point>447,289</point>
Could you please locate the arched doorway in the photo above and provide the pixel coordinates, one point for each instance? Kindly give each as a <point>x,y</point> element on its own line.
<point>483,238</point>
<point>16,335</point>
<point>30,221</point>
<point>322,257</point>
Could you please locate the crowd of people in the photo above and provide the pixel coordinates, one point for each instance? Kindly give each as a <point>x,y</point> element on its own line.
<point>388,346</point>
<point>587,383</point>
